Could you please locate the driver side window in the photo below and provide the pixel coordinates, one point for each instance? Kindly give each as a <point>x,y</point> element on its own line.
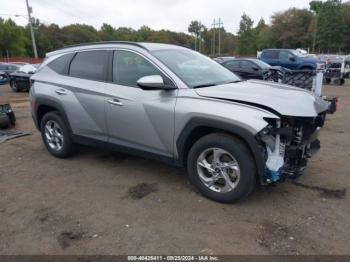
<point>285,55</point>
<point>129,67</point>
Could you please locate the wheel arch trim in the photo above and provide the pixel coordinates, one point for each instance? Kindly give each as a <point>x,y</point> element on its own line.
<point>43,101</point>
<point>230,128</point>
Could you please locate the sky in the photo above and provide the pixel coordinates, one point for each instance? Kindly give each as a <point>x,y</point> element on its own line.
<point>174,15</point>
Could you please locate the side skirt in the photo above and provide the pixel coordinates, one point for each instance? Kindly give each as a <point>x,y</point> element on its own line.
<point>122,149</point>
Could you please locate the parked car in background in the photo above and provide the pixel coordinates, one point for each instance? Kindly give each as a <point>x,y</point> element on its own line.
<point>290,59</point>
<point>152,100</point>
<point>5,70</point>
<point>223,58</point>
<point>247,68</point>
<point>337,69</point>
<point>20,79</point>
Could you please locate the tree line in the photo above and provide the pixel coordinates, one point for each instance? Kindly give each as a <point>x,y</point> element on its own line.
<point>323,28</point>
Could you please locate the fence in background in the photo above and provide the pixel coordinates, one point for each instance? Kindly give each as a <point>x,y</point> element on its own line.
<point>30,60</point>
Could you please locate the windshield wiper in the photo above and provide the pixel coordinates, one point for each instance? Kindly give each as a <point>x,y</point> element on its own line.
<point>204,85</point>
<point>232,82</point>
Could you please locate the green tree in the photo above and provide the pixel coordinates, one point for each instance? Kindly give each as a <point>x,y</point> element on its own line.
<point>292,28</point>
<point>13,38</point>
<point>246,42</point>
<point>196,28</point>
<point>79,33</point>
<point>331,27</point>
<point>107,33</point>
<point>144,33</point>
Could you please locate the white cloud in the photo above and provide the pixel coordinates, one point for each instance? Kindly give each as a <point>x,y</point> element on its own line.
<point>157,14</point>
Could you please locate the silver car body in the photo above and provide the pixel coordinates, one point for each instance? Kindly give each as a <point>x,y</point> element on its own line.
<point>153,120</point>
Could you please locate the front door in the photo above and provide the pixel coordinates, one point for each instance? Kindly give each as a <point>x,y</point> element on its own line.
<point>138,118</point>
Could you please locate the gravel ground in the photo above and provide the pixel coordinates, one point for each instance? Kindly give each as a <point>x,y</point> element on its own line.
<point>100,202</point>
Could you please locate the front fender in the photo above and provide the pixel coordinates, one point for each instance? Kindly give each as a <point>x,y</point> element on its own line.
<point>236,130</point>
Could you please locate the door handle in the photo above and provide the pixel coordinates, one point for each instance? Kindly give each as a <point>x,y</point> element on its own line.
<point>61,91</point>
<point>115,102</point>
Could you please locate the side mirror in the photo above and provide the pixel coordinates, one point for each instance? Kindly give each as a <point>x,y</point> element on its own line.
<point>292,59</point>
<point>153,82</point>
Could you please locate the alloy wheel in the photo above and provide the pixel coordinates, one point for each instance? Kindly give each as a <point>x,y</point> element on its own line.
<point>54,135</point>
<point>218,170</point>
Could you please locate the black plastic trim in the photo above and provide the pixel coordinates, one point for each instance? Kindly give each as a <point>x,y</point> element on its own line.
<point>41,101</point>
<point>123,149</point>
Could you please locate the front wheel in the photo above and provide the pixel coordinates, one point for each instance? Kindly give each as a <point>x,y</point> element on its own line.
<point>222,168</point>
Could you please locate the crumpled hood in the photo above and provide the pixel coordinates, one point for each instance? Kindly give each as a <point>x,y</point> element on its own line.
<point>284,99</point>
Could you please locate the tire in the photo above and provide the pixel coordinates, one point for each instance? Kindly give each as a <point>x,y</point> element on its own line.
<point>61,145</point>
<point>4,121</point>
<point>13,86</point>
<point>237,150</point>
<point>328,81</point>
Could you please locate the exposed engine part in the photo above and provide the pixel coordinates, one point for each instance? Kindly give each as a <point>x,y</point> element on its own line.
<point>275,159</point>
<point>289,143</point>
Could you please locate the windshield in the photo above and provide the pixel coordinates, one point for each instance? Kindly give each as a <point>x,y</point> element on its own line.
<point>262,64</point>
<point>194,69</point>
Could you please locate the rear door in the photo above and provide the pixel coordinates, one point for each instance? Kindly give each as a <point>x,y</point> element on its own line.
<point>79,88</point>
<point>233,66</point>
<point>137,118</point>
<point>249,70</point>
<point>270,57</point>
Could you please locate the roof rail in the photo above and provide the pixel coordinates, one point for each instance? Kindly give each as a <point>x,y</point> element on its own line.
<point>104,43</point>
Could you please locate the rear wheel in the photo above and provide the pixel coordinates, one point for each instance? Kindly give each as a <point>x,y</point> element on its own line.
<point>14,86</point>
<point>221,167</point>
<point>56,135</point>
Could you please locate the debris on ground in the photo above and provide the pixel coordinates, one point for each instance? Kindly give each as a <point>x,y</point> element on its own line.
<point>8,135</point>
<point>7,116</point>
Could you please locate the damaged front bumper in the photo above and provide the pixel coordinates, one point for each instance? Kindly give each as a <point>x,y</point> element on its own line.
<point>287,145</point>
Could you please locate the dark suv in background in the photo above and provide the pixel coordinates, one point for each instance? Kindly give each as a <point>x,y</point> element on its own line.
<point>289,58</point>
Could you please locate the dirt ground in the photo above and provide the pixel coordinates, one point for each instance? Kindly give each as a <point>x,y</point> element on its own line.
<point>100,202</point>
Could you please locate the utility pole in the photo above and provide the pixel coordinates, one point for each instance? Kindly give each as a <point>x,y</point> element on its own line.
<point>215,25</point>
<point>213,41</point>
<point>220,23</point>
<point>30,10</point>
<point>315,34</point>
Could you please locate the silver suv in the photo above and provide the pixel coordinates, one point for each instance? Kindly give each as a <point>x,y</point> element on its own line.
<point>173,104</point>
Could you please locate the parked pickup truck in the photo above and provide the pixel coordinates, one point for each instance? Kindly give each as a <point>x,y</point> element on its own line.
<point>290,58</point>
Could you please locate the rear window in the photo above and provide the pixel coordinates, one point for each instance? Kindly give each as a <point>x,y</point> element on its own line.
<point>60,65</point>
<point>90,65</point>
<point>270,54</point>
